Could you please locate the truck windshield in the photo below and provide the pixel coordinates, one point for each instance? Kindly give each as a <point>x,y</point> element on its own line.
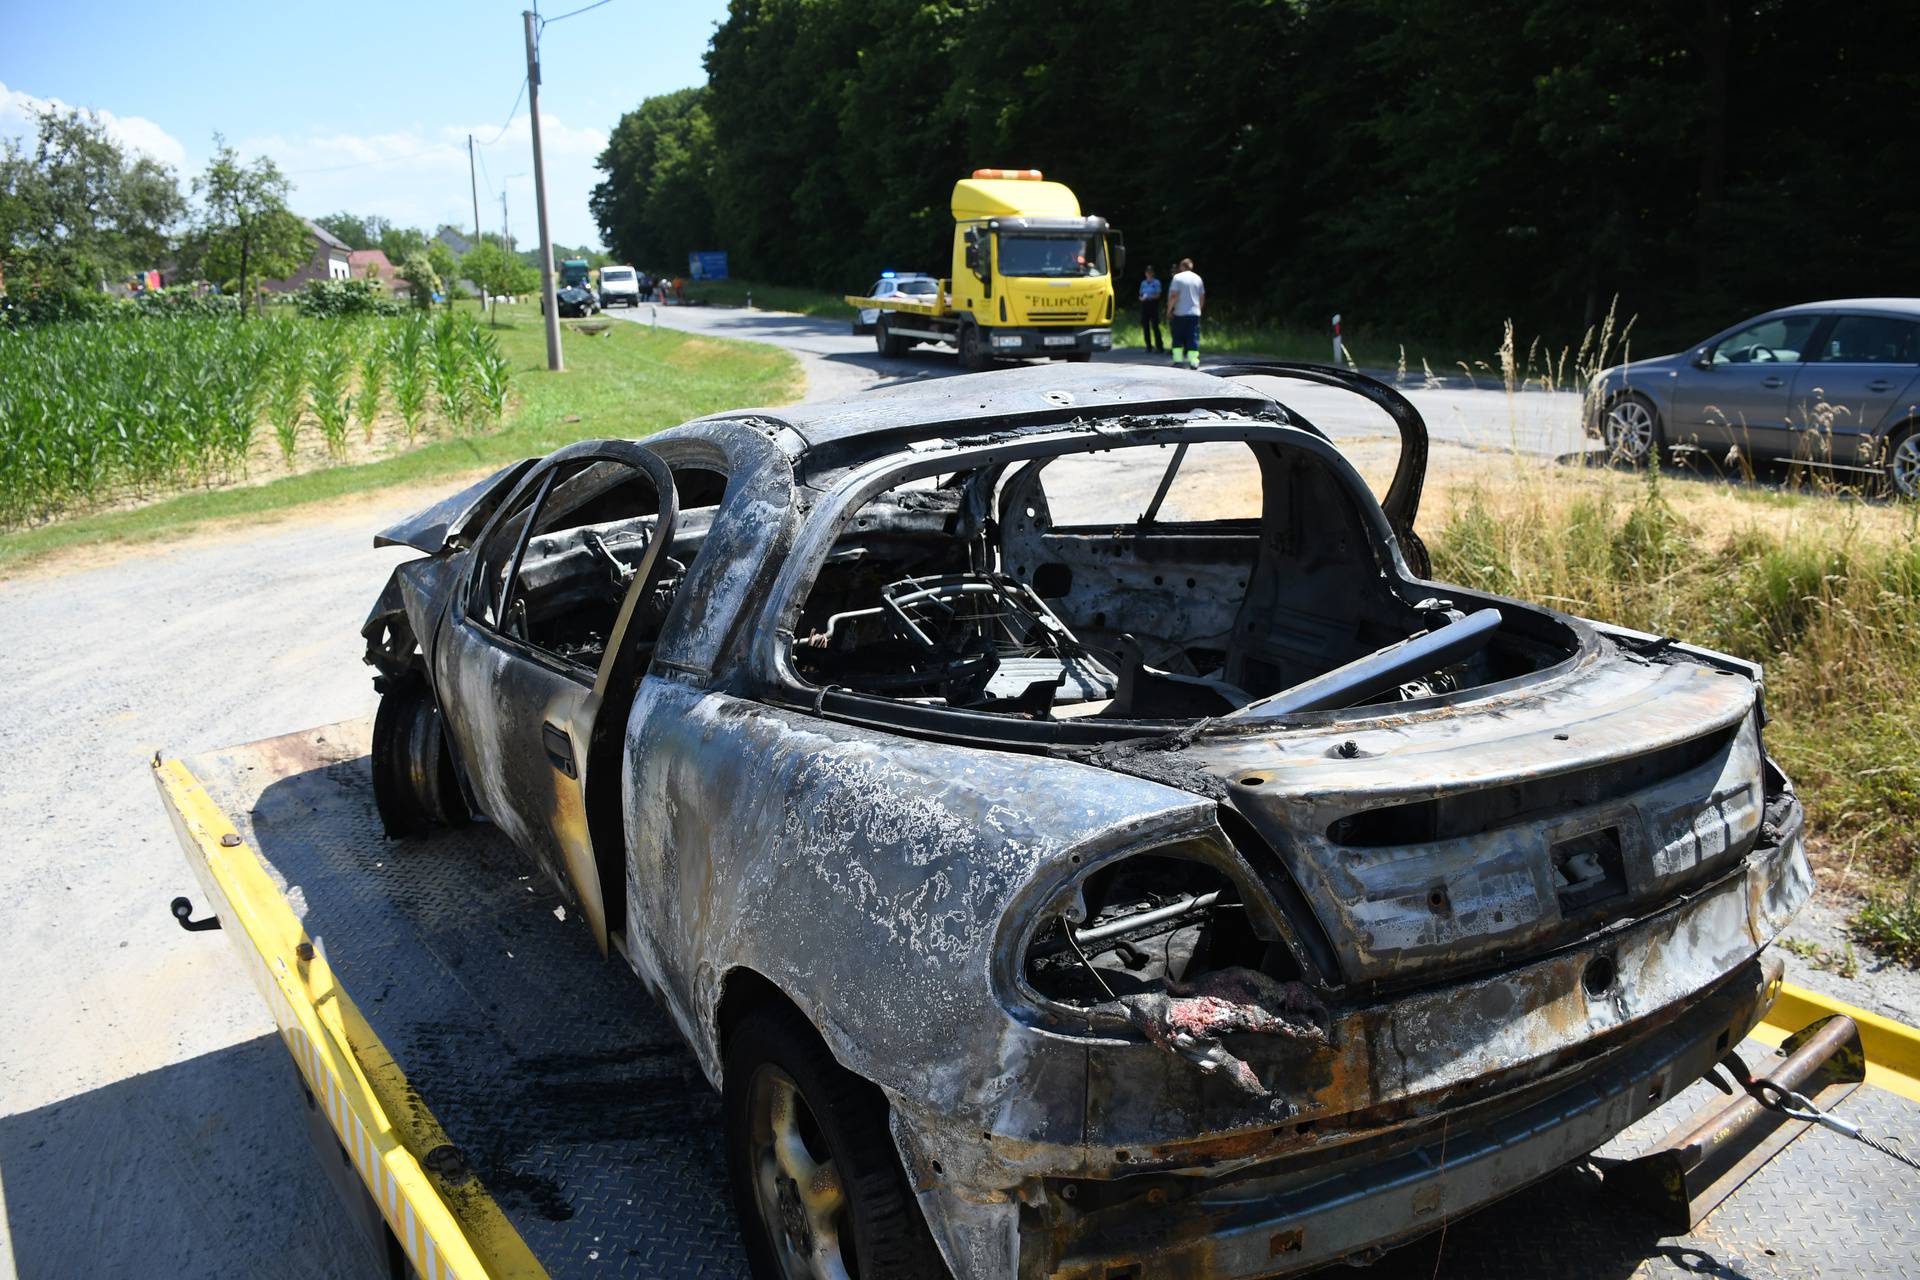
<point>1028,254</point>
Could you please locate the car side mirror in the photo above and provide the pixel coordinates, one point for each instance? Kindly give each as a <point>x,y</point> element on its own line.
<point>1703,358</point>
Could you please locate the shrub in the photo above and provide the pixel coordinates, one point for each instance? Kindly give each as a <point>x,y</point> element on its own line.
<point>334,298</point>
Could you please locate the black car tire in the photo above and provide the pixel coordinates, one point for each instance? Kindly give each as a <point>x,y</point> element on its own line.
<point>1902,467</point>
<point>973,352</point>
<point>415,786</point>
<point>842,1121</point>
<point>1077,357</point>
<point>886,342</point>
<point>1637,452</point>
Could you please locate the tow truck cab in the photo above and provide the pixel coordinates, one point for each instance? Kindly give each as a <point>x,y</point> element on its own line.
<point>1034,273</point>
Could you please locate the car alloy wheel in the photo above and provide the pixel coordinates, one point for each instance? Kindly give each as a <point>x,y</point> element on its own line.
<point>798,1188</point>
<point>1629,430</point>
<point>1903,466</point>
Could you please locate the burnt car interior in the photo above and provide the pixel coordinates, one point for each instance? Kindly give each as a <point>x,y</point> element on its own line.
<point>971,595</point>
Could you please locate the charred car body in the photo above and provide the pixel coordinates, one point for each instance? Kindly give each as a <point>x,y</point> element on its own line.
<point>1051,897</point>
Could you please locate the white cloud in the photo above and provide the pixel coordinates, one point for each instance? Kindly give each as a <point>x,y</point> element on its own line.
<point>418,176</point>
<point>136,133</point>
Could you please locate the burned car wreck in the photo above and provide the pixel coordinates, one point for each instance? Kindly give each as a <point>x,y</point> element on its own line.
<point>1053,887</point>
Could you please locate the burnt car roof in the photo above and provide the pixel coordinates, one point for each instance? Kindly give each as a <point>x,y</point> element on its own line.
<point>873,422</point>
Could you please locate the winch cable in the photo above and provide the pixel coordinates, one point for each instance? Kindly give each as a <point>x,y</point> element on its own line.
<point>1797,1106</point>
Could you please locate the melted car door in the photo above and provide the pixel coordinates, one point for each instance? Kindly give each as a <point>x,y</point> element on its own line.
<point>539,648</point>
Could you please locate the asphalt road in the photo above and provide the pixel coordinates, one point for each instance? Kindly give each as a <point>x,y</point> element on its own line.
<point>838,362</point>
<point>150,1123</point>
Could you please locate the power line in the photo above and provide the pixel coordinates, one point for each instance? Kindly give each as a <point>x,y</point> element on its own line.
<point>572,13</point>
<point>511,112</point>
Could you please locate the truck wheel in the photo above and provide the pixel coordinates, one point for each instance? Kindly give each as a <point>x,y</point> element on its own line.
<point>816,1180</point>
<point>414,784</point>
<point>973,353</point>
<point>888,343</point>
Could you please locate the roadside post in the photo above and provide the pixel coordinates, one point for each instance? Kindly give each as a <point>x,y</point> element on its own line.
<point>1339,352</point>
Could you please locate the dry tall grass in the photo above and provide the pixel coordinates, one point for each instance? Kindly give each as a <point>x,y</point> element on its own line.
<point>1824,591</point>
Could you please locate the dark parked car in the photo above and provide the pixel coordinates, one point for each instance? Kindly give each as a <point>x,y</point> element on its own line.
<point>573,300</point>
<point>1834,384</point>
<point>1159,894</point>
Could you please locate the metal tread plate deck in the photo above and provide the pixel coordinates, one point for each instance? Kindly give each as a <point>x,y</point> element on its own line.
<point>575,1103</point>
<point>569,1094</point>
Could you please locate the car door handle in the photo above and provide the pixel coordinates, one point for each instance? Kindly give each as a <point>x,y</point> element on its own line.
<point>1771,383</point>
<point>1879,384</point>
<point>559,747</point>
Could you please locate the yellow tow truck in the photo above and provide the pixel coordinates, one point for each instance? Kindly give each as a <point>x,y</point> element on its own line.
<point>1031,276</point>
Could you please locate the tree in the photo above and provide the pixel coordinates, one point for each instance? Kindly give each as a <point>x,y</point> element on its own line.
<point>76,210</point>
<point>445,265</point>
<point>422,280</point>
<point>398,242</point>
<point>655,204</point>
<point>350,229</point>
<point>246,232</point>
<point>497,272</point>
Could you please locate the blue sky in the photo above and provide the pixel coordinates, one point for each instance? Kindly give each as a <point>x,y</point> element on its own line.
<point>365,107</point>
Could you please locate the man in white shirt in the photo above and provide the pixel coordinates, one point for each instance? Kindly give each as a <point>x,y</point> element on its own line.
<point>1186,299</point>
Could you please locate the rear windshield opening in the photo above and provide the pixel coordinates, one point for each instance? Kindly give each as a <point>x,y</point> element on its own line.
<point>1119,585</point>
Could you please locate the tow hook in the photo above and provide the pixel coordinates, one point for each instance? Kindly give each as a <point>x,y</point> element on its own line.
<point>182,909</point>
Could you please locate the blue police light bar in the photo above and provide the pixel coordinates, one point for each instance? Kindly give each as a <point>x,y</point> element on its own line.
<point>888,275</point>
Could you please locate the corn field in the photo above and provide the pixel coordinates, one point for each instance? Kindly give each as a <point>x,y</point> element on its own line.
<point>98,411</point>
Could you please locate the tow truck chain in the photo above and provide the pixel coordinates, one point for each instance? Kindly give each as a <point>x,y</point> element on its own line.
<point>1797,1106</point>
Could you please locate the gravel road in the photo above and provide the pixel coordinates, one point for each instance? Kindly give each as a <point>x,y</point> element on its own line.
<point>149,1121</point>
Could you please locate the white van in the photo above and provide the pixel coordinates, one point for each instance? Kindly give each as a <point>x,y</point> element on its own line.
<point>619,285</point>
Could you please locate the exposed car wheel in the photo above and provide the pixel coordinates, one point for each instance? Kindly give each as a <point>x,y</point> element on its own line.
<point>1632,430</point>
<point>1903,464</point>
<point>1078,357</point>
<point>815,1177</point>
<point>886,342</point>
<point>414,783</point>
<point>973,352</point>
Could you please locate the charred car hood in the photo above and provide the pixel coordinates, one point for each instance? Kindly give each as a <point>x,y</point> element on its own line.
<point>1440,840</point>
<point>454,519</point>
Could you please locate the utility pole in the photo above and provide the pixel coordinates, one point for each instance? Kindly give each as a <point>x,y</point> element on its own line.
<point>473,183</point>
<point>548,302</point>
<point>506,228</point>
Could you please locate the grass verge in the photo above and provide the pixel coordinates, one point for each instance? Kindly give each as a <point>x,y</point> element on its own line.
<point>628,381</point>
<point>1824,590</point>
<point>771,297</point>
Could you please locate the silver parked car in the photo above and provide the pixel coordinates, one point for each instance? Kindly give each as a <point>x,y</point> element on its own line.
<point>1055,881</point>
<point>891,284</point>
<point>1833,384</point>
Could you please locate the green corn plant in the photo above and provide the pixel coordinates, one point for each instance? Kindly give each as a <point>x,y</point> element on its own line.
<point>406,356</point>
<point>492,374</point>
<point>373,374</point>
<point>286,392</point>
<point>452,370</point>
<point>329,365</point>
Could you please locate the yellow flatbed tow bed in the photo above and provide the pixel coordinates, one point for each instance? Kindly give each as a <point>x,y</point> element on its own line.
<point>512,1105</point>
<point>902,303</point>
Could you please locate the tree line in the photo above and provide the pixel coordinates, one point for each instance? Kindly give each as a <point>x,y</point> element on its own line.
<point>1440,165</point>
<point>79,213</point>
